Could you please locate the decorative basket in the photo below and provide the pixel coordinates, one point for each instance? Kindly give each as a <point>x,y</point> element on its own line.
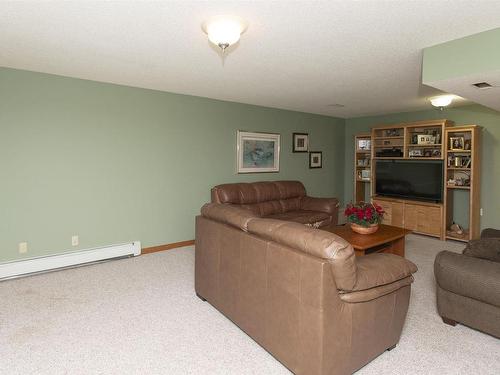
<point>364,230</point>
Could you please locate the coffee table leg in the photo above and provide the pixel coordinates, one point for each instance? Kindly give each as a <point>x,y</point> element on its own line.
<point>398,247</point>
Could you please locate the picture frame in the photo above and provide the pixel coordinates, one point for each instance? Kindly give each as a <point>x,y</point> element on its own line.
<point>364,145</point>
<point>257,152</point>
<point>425,139</point>
<point>467,144</point>
<point>300,142</point>
<point>415,153</point>
<point>456,143</point>
<point>315,159</point>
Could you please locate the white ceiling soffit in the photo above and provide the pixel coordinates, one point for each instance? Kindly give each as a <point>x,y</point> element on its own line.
<point>464,86</point>
<point>297,55</point>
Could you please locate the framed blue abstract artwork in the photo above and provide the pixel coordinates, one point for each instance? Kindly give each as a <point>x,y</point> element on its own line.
<point>258,152</point>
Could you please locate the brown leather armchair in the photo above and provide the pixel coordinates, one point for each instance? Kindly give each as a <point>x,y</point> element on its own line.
<point>282,200</point>
<point>468,284</point>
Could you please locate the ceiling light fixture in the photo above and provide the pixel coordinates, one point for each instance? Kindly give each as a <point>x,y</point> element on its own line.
<point>442,101</point>
<point>224,31</point>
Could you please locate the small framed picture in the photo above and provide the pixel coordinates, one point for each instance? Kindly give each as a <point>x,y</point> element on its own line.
<point>456,143</point>
<point>315,159</point>
<point>300,142</point>
<point>425,139</point>
<point>364,144</point>
<point>467,144</point>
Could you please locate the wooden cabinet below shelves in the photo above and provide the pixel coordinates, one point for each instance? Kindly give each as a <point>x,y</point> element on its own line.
<point>420,217</point>
<point>393,212</point>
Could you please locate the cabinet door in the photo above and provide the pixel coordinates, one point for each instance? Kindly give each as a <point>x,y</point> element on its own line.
<point>397,214</point>
<point>411,216</point>
<point>387,207</point>
<point>429,220</point>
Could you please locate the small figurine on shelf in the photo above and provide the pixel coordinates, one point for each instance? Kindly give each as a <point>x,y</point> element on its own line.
<point>457,229</point>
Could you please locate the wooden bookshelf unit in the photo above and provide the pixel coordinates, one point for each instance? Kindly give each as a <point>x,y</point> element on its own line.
<point>362,167</point>
<point>456,146</point>
<point>462,166</point>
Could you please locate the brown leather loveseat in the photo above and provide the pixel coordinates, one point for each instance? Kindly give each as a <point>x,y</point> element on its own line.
<point>300,292</point>
<point>283,200</point>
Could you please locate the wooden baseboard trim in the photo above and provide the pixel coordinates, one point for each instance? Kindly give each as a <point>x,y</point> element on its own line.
<point>168,246</point>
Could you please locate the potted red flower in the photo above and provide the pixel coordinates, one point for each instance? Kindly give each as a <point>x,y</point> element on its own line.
<point>363,217</point>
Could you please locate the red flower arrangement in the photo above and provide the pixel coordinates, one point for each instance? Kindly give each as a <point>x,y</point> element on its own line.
<point>364,214</point>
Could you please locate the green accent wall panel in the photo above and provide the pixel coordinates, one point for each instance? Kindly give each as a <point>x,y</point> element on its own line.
<point>115,164</point>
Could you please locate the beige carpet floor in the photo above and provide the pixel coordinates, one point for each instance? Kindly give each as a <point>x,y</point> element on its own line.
<point>141,316</point>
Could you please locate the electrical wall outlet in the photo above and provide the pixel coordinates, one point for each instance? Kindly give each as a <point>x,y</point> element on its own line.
<point>74,241</point>
<point>480,212</point>
<point>23,247</point>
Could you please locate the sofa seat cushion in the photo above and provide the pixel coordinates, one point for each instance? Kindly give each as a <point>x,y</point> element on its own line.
<point>303,217</point>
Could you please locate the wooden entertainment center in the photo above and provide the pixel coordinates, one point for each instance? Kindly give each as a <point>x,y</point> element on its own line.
<point>435,140</point>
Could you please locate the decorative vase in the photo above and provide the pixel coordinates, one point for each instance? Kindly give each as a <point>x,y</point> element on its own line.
<point>364,230</point>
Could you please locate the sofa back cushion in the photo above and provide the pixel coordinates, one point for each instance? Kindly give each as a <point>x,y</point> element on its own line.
<point>228,214</point>
<point>484,248</point>
<point>257,192</point>
<point>319,243</point>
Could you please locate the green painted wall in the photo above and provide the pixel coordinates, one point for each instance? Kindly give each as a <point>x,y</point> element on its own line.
<point>115,164</point>
<point>461,57</point>
<point>465,115</point>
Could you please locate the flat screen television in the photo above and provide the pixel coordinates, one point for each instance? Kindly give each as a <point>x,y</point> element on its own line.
<point>410,179</point>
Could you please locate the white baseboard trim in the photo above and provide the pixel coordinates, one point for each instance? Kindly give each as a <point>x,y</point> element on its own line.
<point>72,258</point>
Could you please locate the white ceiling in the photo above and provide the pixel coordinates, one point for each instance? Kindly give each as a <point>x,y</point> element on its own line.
<point>298,55</point>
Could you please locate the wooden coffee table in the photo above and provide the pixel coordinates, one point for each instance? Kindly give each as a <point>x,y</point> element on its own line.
<point>387,239</point>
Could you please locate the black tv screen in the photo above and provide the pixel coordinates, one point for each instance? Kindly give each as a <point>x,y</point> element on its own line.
<point>410,179</point>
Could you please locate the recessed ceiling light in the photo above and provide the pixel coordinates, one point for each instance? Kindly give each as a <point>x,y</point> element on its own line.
<point>482,85</point>
<point>442,100</point>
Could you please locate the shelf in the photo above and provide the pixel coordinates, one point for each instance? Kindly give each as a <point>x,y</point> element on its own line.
<point>361,180</point>
<point>389,157</point>
<point>432,145</point>
<point>390,146</point>
<point>363,152</point>
<point>363,167</point>
<point>458,187</point>
<point>395,137</point>
<point>458,151</point>
<point>458,169</point>
<point>424,158</point>
<point>458,237</point>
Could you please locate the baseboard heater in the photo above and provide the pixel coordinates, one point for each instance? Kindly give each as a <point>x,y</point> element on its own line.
<point>69,259</point>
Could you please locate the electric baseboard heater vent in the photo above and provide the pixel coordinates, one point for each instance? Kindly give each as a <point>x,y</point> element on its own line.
<point>29,266</point>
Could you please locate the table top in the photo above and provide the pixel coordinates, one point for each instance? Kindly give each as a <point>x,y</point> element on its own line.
<point>384,234</point>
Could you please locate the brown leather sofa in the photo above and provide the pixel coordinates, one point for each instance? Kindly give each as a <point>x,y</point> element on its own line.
<point>300,292</point>
<point>283,200</point>
<point>468,284</point>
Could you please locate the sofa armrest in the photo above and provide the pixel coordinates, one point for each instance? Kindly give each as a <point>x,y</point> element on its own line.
<point>372,293</point>
<point>468,276</point>
<point>378,275</point>
<point>327,205</point>
<point>381,269</point>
